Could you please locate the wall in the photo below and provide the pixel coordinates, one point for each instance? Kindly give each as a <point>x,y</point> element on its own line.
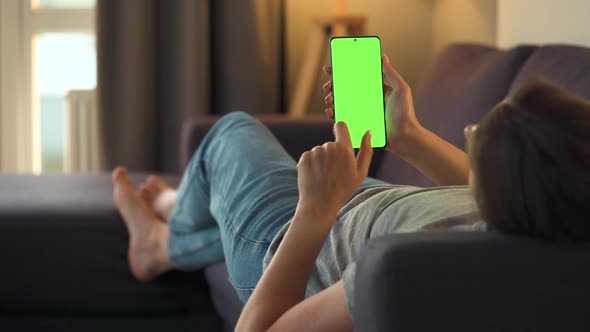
<point>463,21</point>
<point>405,28</point>
<point>414,31</point>
<point>543,21</point>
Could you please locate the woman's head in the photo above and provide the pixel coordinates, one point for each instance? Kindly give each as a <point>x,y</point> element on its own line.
<point>530,159</point>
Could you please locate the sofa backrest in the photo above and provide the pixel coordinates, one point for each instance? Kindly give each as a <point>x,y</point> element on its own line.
<point>461,85</point>
<point>565,65</point>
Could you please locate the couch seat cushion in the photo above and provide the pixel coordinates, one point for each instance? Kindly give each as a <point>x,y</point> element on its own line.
<point>64,250</point>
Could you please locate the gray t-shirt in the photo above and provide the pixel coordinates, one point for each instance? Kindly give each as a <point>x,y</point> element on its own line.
<point>379,210</point>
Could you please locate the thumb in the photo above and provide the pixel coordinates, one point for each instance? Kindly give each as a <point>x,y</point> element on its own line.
<point>391,75</point>
<point>363,159</point>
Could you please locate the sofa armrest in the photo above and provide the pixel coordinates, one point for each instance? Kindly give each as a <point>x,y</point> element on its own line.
<point>460,281</point>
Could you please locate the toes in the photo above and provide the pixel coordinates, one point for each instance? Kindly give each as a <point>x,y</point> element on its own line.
<point>146,195</point>
<point>152,185</point>
<point>144,187</point>
<point>121,178</point>
<point>157,183</point>
<point>149,191</point>
<point>151,179</point>
<point>118,172</point>
<point>147,184</point>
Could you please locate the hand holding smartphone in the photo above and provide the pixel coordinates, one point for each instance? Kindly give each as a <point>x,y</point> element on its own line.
<point>357,85</point>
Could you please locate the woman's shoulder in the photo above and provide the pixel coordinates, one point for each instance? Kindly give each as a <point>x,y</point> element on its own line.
<point>413,209</point>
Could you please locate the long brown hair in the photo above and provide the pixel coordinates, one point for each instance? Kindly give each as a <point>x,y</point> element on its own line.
<point>530,157</point>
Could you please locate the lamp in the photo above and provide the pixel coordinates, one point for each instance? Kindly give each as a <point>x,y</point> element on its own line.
<point>340,7</point>
<point>338,24</point>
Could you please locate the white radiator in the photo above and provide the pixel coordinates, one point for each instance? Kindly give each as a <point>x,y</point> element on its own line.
<point>82,147</point>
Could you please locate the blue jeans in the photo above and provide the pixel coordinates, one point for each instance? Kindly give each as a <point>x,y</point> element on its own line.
<point>238,190</point>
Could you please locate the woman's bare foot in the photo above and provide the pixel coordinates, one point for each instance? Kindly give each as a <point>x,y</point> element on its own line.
<point>158,194</point>
<point>148,236</point>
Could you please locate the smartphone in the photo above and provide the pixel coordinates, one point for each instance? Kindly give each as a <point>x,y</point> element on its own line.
<point>357,87</point>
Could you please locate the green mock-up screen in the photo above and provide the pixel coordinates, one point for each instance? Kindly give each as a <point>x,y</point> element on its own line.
<point>357,82</point>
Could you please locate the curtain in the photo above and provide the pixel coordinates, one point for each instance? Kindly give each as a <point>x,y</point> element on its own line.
<point>161,62</point>
<point>247,55</point>
<point>153,72</point>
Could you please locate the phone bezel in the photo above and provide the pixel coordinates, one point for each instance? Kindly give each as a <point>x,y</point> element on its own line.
<point>382,85</point>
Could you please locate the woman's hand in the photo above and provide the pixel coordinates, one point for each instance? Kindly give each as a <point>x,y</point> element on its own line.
<point>400,119</point>
<point>329,174</point>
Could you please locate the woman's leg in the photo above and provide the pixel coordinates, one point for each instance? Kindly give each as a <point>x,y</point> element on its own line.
<point>238,190</point>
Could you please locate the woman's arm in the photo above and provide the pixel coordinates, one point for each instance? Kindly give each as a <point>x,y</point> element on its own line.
<point>277,303</point>
<point>328,176</point>
<point>436,158</point>
<point>439,160</point>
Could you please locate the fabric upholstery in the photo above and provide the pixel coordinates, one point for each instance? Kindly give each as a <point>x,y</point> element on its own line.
<point>463,83</point>
<point>296,135</point>
<point>471,282</point>
<point>64,250</point>
<point>97,322</point>
<point>568,66</point>
<point>224,296</point>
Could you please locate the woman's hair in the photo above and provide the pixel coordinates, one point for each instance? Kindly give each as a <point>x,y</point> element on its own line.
<point>530,157</point>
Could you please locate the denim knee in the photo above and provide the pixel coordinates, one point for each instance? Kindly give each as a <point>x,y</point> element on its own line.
<point>237,116</point>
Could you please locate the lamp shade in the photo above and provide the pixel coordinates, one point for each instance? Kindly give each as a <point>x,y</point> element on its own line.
<point>340,7</point>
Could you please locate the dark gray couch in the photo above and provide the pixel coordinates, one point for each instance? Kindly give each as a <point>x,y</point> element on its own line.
<point>63,244</point>
<point>452,282</point>
<point>63,249</point>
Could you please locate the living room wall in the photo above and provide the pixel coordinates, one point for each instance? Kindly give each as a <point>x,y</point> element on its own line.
<point>404,27</point>
<point>543,21</point>
<point>412,32</point>
<point>463,21</point>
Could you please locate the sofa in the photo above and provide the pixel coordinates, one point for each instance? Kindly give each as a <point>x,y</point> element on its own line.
<point>64,245</point>
<point>63,248</point>
<point>448,281</point>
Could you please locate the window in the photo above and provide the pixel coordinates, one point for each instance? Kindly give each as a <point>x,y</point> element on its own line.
<point>47,48</point>
<point>63,3</point>
<point>63,62</point>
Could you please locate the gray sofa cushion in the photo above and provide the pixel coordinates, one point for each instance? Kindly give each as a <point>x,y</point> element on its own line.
<point>464,82</point>
<point>568,66</point>
<point>64,252</point>
<point>296,135</point>
<point>224,296</point>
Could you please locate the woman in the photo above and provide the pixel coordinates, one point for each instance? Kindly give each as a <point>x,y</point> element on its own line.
<point>243,199</point>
